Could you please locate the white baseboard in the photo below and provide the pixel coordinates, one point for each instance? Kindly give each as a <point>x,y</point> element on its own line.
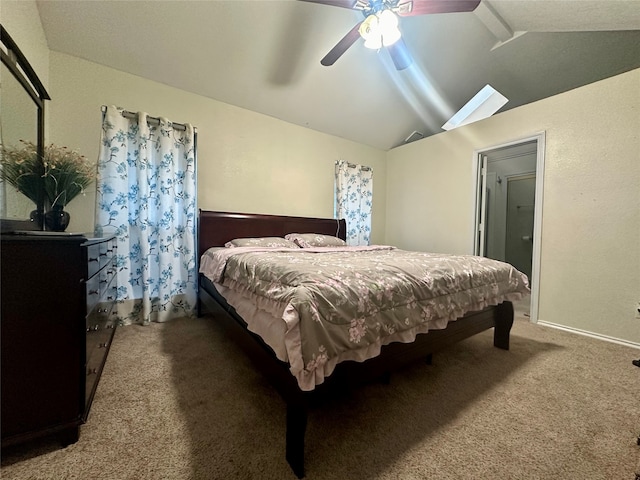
<point>586,333</point>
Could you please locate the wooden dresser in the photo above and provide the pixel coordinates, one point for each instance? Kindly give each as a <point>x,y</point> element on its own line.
<point>58,320</point>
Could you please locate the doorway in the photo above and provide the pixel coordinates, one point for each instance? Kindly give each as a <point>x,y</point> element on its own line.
<point>520,208</point>
<point>508,209</point>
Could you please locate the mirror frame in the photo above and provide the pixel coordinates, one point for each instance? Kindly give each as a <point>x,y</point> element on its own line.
<point>13,58</point>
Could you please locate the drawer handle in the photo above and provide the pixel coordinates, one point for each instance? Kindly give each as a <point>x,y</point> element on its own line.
<point>92,371</point>
<point>94,292</point>
<point>103,345</point>
<point>93,259</point>
<point>103,281</point>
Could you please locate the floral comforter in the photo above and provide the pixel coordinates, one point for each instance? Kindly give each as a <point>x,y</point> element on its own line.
<point>345,303</point>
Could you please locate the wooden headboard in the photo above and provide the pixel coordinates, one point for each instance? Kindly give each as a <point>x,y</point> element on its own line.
<point>217,228</point>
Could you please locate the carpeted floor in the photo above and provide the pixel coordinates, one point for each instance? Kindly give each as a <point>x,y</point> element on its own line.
<point>180,401</point>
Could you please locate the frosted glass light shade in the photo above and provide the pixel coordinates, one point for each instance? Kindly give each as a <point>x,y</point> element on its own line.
<point>390,37</point>
<point>380,29</point>
<point>388,24</point>
<point>374,42</point>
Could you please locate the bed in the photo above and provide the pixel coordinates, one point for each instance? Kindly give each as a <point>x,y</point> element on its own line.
<point>310,344</point>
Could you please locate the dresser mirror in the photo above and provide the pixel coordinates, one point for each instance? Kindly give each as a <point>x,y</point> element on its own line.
<point>21,120</point>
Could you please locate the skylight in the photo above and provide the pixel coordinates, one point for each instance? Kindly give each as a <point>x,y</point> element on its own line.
<point>484,104</point>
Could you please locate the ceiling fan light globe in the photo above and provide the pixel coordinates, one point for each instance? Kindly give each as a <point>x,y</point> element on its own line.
<point>371,33</point>
<point>374,42</point>
<point>387,20</point>
<point>388,27</point>
<point>391,37</point>
<point>369,26</point>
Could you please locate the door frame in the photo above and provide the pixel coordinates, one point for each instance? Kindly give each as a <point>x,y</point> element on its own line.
<point>539,138</point>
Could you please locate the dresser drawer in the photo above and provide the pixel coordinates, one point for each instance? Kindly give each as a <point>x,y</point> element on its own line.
<point>100,287</point>
<point>93,292</point>
<point>104,254</point>
<point>111,249</point>
<point>93,259</point>
<point>106,282</point>
<point>101,318</point>
<point>99,324</point>
<point>96,357</point>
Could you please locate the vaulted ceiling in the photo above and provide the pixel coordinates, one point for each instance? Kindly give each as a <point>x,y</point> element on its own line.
<point>264,55</point>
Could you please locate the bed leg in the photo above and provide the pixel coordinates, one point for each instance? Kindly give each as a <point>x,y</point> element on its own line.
<point>385,378</point>
<point>504,322</point>
<point>296,427</point>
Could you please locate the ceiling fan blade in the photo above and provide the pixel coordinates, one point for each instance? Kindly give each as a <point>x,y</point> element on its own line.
<point>342,46</point>
<point>335,3</point>
<point>400,55</point>
<point>423,7</point>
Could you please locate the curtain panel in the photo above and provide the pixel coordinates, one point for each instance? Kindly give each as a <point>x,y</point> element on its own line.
<point>353,200</point>
<point>146,195</point>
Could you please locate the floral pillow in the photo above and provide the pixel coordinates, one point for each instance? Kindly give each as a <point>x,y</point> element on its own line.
<point>309,240</point>
<point>273,242</point>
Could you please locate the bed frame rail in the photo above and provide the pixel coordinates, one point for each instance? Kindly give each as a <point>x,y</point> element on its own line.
<point>391,358</point>
<point>217,228</point>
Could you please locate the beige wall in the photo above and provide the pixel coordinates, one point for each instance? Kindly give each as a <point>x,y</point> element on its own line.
<point>590,270</point>
<point>590,260</point>
<point>247,162</point>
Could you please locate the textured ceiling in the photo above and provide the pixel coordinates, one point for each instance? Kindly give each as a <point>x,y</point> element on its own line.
<point>264,55</point>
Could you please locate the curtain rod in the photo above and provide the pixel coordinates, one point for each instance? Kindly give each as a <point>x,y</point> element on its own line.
<point>351,165</point>
<point>151,120</point>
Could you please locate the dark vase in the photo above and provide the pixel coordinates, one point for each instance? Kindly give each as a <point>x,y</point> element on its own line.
<point>56,219</point>
<point>37,218</point>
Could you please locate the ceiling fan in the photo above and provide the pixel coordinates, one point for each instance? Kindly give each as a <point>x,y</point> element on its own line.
<point>380,26</point>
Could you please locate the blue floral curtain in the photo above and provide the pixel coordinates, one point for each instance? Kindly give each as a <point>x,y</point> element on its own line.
<point>146,195</point>
<point>354,196</point>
